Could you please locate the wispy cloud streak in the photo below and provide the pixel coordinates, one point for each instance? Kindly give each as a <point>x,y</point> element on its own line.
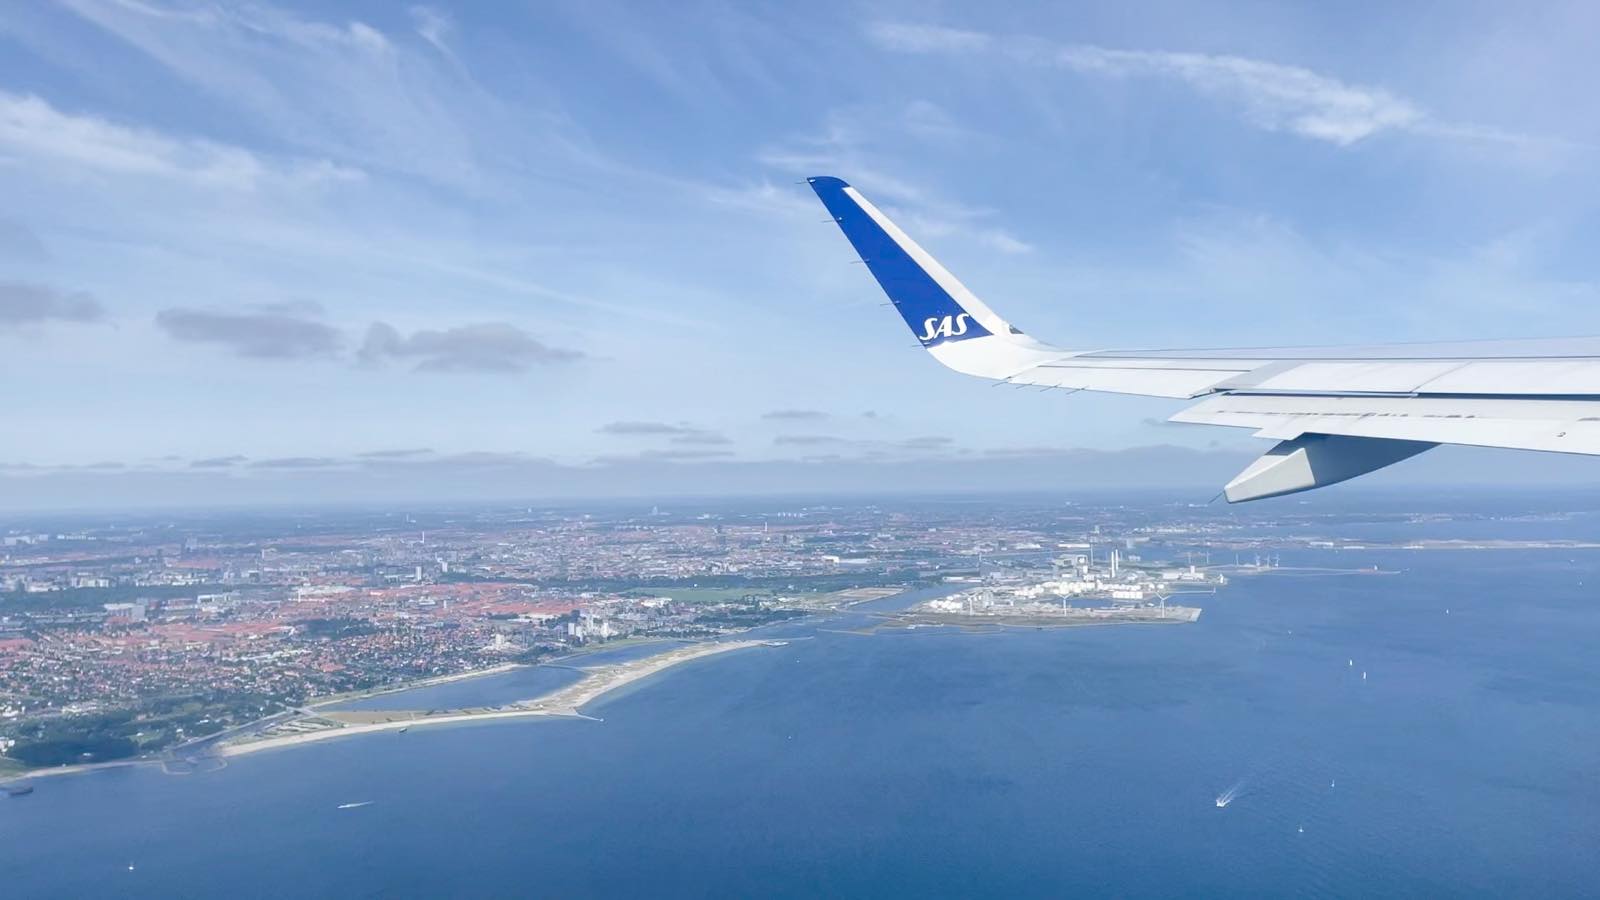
<point>1270,95</point>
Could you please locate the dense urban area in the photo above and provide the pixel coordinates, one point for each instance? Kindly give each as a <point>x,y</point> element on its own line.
<point>128,636</point>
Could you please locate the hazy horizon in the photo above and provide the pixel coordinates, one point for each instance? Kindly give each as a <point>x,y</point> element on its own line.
<point>1186,473</point>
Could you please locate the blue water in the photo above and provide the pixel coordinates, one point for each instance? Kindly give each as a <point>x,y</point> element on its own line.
<point>934,763</point>
<point>489,690</point>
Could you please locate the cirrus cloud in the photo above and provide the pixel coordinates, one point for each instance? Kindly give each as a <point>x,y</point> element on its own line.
<point>1271,95</point>
<point>31,127</point>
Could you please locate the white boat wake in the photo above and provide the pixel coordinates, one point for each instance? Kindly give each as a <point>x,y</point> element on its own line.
<point>1229,795</point>
<point>355,805</point>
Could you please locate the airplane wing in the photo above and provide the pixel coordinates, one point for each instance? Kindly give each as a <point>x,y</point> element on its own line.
<point>1337,412</point>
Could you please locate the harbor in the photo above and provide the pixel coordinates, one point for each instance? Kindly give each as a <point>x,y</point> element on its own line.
<point>1076,590</point>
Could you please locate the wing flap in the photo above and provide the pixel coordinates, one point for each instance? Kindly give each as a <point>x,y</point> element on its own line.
<point>1562,426</point>
<point>1376,377</point>
<point>1527,377</point>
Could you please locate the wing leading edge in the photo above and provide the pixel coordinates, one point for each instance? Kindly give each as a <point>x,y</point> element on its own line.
<point>1337,412</point>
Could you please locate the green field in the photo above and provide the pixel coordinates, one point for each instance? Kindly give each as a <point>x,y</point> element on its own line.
<point>701,595</point>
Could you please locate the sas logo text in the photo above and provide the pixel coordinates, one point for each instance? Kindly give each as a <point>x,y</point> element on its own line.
<point>938,328</point>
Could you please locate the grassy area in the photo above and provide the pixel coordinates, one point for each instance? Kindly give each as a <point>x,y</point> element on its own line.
<point>702,595</point>
<point>618,644</point>
<point>9,767</point>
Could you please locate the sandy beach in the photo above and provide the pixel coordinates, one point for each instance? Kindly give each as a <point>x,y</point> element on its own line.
<point>567,701</point>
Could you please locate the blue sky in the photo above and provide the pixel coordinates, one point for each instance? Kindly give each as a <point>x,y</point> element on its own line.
<point>251,238</point>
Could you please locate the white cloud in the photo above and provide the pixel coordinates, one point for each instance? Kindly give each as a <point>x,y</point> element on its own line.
<point>1270,95</point>
<point>915,38</point>
<point>434,26</point>
<point>765,197</point>
<point>928,120</point>
<point>1273,96</point>
<point>959,221</point>
<point>31,128</point>
<point>921,210</point>
<point>1005,243</point>
<point>346,91</point>
<point>1275,284</point>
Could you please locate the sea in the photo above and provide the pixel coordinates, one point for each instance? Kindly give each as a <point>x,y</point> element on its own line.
<point>1432,732</point>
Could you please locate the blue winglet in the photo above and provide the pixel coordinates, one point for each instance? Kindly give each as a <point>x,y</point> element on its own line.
<point>934,316</point>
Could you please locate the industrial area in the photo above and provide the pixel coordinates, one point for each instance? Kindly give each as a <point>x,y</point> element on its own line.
<point>1078,589</point>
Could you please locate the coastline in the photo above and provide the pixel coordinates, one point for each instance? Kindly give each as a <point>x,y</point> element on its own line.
<point>434,680</point>
<point>563,703</point>
<point>295,740</point>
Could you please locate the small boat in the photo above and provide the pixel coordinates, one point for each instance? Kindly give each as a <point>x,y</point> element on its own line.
<point>18,790</point>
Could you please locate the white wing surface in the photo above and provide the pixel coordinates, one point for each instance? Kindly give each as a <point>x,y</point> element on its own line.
<point>1337,412</point>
